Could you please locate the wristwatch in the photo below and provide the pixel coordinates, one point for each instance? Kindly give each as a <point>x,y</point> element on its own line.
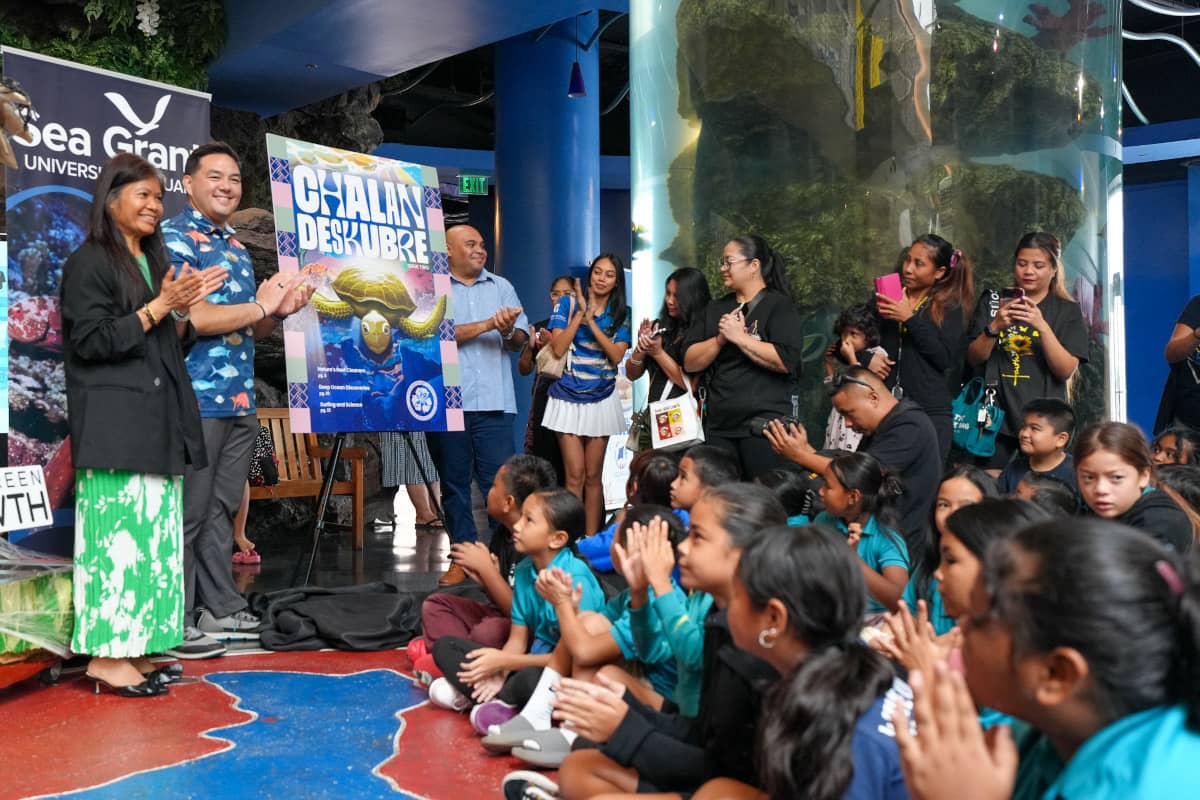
<point>175,315</point>
<point>987,331</point>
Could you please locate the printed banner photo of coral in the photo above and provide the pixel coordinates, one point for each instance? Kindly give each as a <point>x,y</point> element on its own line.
<point>369,352</point>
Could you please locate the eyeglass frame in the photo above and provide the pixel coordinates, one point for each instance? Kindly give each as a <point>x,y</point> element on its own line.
<point>725,262</point>
<point>841,381</point>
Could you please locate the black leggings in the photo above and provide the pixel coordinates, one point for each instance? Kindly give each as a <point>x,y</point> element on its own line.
<point>450,653</point>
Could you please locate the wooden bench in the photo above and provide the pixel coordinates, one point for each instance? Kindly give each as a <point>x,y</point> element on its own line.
<point>300,472</point>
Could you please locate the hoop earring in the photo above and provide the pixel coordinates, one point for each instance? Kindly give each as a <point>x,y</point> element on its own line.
<point>763,641</point>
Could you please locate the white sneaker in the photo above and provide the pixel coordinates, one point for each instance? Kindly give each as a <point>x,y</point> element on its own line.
<point>238,625</point>
<point>443,695</point>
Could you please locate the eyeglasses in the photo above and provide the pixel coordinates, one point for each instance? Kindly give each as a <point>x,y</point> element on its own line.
<point>729,262</point>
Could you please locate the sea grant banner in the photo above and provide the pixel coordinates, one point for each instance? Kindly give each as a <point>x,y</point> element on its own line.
<point>84,116</point>
<point>374,350</point>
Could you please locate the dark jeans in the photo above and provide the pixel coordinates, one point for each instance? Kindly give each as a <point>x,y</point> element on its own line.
<point>477,452</point>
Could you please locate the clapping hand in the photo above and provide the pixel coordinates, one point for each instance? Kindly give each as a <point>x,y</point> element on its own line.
<point>952,758</point>
<point>628,559</point>
<point>593,710</point>
<point>732,326</point>
<point>504,320</point>
<point>278,295</point>
<point>556,587</point>
<point>657,555</point>
<point>853,533</point>
<point>913,642</point>
<point>181,291</point>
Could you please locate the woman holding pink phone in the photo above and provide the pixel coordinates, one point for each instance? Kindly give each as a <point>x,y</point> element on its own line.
<point>1028,340</point>
<point>924,329</point>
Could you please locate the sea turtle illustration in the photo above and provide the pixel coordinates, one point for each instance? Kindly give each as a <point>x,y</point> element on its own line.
<point>381,302</point>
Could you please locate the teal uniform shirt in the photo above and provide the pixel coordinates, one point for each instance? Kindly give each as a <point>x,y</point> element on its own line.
<point>1144,756</point>
<point>676,621</point>
<point>530,610</point>
<point>878,547</point>
<point>941,621</point>
<point>651,651</point>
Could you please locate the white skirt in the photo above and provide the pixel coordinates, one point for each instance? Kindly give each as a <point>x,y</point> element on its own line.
<point>602,418</point>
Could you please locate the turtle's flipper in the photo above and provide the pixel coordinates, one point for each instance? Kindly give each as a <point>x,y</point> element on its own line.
<point>329,307</point>
<point>423,330</point>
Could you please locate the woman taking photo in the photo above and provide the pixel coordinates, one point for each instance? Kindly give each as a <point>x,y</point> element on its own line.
<point>750,342</point>
<point>1029,339</point>
<point>135,424</point>
<point>925,330</point>
<point>583,405</point>
<point>659,350</point>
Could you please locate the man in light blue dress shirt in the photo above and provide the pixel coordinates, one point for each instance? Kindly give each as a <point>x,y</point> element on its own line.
<point>488,324</point>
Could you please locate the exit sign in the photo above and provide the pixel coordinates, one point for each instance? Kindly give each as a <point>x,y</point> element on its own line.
<point>473,184</point>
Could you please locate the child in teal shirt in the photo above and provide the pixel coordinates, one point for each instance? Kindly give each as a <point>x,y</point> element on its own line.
<point>858,495</point>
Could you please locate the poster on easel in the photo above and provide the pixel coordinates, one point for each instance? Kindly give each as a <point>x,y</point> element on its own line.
<point>374,350</point>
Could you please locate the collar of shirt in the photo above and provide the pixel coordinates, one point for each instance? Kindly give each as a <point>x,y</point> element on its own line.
<point>869,528</point>
<point>206,225</point>
<point>484,276</point>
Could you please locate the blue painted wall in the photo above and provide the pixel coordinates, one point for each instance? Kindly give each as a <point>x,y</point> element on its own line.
<point>1156,287</point>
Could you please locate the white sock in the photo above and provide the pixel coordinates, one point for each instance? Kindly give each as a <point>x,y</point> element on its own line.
<point>541,702</point>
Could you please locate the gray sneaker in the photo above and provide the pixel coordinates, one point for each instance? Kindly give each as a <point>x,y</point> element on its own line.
<point>196,646</point>
<point>238,625</point>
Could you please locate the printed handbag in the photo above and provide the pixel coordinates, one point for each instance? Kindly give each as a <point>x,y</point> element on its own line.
<point>550,365</point>
<point>976,418</point>
<point>675,423</point>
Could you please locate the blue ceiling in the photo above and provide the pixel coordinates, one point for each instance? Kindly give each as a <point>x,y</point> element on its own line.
<point>281,55</point>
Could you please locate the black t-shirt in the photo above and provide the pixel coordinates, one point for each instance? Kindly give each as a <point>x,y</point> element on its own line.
<point>1187,372</point>
<point>906,443</point>
<point>672,343</point>
<point>1017,361</point>
<point>926,355</point>
<point>738,389</point>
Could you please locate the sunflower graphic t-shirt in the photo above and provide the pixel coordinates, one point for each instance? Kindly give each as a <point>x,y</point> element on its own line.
<point>1018,361</point>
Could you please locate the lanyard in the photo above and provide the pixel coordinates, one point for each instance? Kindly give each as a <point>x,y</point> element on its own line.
<point>897,389</point>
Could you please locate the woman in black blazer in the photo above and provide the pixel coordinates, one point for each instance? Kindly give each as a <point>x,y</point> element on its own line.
<point>134,425</point>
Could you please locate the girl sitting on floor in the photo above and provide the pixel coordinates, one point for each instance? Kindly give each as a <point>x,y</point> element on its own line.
<point>1117,480</point>
<point>858,495</point>
<point>550,523</point>
<point>641,749</point>
<point>798,603</point>
<point>1088,631</point>
<point>588,643</point>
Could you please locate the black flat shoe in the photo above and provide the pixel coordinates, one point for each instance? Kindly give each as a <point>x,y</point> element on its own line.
<point>146,688</point>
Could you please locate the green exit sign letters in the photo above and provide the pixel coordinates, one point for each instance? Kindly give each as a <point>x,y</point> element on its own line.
<point>473,184</point>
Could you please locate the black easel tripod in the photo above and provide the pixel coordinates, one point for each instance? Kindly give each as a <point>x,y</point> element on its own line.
<point>335,453</point>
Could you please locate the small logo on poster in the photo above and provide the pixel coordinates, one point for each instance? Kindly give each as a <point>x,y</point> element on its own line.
<point>421,400</point>
<point>131,116</point>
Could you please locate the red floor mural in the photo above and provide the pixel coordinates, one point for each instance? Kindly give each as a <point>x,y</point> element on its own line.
<point>64,739</point>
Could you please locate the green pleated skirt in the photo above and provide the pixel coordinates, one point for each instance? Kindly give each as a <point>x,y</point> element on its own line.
<point>128,583</point>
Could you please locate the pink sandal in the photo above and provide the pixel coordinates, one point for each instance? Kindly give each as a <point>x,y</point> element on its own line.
<point>251,557</point>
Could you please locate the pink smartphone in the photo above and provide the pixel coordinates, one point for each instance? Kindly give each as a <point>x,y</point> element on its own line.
<point>889,286</point>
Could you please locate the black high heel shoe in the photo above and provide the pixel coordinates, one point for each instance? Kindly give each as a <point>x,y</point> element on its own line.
<point>146,688</point>
<point>171,673</point>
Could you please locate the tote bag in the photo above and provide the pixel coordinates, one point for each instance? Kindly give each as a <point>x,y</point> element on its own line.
<point>976,418</point>
<point>675,423</point>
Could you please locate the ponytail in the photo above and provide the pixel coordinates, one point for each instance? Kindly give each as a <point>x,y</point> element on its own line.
<point>772,268</point>
<point>1128,604</point>
<point>956,287</point>
<point>878,487</point>
<point>809,717</point>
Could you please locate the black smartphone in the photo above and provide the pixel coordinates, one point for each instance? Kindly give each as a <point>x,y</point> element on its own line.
<point>1012,293</point>
<point>758,425</point>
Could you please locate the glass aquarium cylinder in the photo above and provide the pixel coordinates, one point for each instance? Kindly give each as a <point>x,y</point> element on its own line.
<point>840,130</point>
